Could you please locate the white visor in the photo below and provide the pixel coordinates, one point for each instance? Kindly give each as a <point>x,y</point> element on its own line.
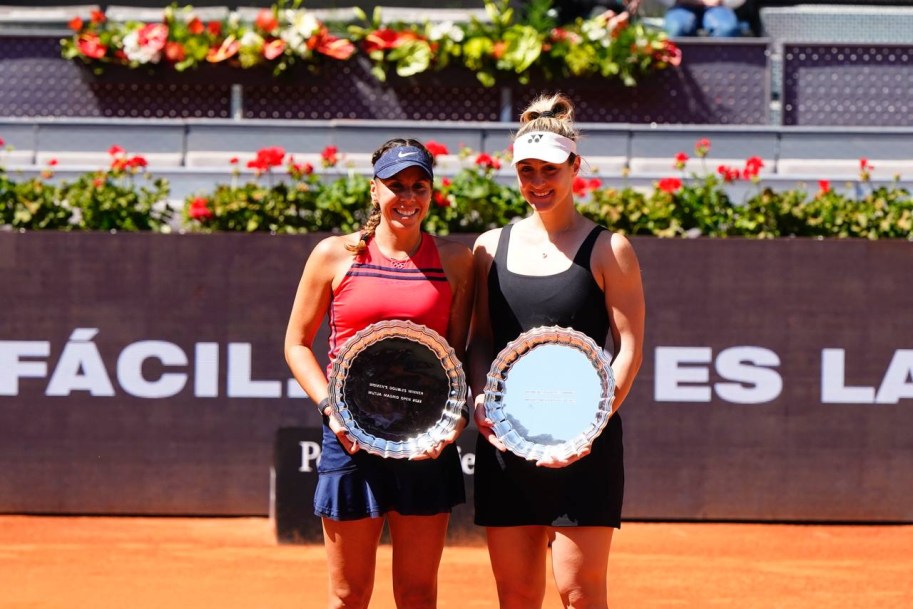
<point>543,145</point>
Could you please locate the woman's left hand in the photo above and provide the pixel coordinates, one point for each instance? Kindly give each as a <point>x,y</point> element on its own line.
<point>436,449</point>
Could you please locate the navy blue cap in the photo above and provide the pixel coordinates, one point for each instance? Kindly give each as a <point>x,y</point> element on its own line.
<point>396,159</point>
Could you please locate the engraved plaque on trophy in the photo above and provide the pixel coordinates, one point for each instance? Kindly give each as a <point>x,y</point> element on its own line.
<point>398,388</point>
<point>549,393</point>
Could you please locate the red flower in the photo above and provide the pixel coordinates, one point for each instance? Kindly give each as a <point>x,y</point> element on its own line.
<point>2,143</point>
<point>199,209</point>
<point>499,49</point>
<point>752,167</point>
<point>824,187</point>
<point>267,158</point>
<point>90,46</point>
<point>233,160</point>
<point>98,182</point>
<point>436,148</point>
<point>594,183</point>
<point>446,182</point>
<point>214,27</point>
<point>680,160</point>
<point>154,36</point>
<point>195,26</point>
<point>174,52</point>
<point>266,20</point>
<point>52,162</point>
<point>702,147</point>
<point>440,199</point>
<point>729,174</point>
<point>137,161</point>
<point>75,24</point>
<point>98,16</point>
<point>579,186</point>
<point>669,185</point>
<point>487,161</point>
<point>273,48</point>
<point>299,170</point>
<point>115,150</point>
<point>865,169</point>
<point>329,156</point>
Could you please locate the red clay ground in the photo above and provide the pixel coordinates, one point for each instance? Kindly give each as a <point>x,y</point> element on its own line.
<point>181,563</point>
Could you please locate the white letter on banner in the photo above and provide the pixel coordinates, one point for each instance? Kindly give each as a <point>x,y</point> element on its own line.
<point>130,369</point>
<point>670,375</point>
<point>833,377</point>
<point>206,370</point>
<point>294,390</point>
<point>80,367</point>
<point>898,380</point>
<point>12,368</point>
<point>310,452</point>
<point>754,383</point>
<point>240,384</point>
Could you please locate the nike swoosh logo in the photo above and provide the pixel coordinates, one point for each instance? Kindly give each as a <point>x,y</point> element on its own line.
<point>405,154</point>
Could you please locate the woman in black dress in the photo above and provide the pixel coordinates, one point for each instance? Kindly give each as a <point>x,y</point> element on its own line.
<point>554,267</point>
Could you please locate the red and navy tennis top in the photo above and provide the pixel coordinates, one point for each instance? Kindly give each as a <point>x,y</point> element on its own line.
<point>379,289</point>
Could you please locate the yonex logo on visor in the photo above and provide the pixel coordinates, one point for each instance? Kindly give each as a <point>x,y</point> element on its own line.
<point>402,157</point>
<point>544,146</point>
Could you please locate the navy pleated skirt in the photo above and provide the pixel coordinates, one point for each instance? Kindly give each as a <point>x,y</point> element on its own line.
<point>362,485</point>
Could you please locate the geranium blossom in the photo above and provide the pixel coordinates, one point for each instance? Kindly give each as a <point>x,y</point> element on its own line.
<point>486,161</point>
<point>199,209</point>
<point>436,148</point>
<point>680,160</point>
<point>329,156</point>
<point>669,185</point>
<point>267,158</point>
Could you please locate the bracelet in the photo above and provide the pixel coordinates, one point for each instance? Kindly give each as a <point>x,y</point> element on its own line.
<point>322,406</point>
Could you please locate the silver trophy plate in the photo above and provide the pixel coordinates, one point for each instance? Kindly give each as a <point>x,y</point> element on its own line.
<point>398,388</point>
<point>549,393</point>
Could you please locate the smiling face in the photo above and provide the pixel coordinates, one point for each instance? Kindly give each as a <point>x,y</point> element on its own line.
<point>547,185</point>
<point>404,198</point>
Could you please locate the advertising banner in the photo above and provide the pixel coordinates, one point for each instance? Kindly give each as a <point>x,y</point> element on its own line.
<point>144,374</point>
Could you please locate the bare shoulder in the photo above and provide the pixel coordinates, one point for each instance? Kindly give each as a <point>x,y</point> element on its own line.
<point>487,241</point>
<point>332,252</point>
<point>615,253</point>
<point>451,248</point>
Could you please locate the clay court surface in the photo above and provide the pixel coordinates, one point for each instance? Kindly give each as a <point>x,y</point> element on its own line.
<point>235,563</point>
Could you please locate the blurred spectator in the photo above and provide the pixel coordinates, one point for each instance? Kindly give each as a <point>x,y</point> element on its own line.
<point>569,10</point>
<point>692,17</point>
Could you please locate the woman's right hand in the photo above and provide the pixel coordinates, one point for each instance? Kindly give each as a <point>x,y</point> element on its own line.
<point>485,424</point>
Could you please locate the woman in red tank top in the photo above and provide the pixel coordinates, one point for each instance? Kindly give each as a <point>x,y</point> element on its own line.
<point>388,270</point>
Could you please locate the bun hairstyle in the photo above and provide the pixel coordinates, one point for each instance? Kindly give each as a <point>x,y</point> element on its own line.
<point>367,230</point>
<point>552,113</point>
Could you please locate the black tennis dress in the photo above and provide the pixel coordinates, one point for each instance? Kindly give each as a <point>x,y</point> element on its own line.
<point>509,490</point>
